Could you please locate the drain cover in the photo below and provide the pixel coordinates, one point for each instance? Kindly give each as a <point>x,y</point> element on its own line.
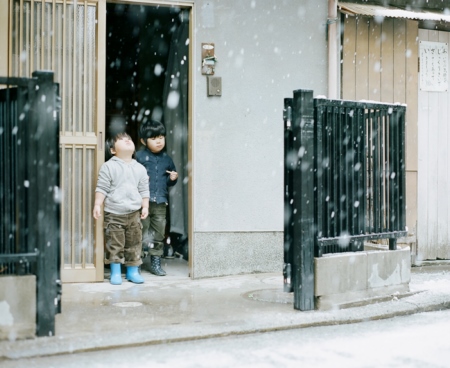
<point>128,304</point>
<point>271,295</point>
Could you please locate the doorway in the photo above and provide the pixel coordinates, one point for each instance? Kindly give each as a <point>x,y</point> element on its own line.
<point>147,55</point>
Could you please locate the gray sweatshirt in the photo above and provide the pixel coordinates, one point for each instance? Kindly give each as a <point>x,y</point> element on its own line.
<point>123,184</point>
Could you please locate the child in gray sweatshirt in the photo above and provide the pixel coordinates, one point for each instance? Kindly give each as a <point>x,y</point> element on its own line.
<point>122,186</point>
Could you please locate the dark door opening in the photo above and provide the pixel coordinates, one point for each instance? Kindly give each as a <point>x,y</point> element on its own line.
<point>146,78</point>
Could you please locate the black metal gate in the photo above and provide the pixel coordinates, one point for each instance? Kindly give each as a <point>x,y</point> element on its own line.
<point>344,182</point>
<point>29,191</point>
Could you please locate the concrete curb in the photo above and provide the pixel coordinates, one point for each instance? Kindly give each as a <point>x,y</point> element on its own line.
<point>255,323</point>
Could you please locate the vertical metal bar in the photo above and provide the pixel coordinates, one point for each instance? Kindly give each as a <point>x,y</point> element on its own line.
<point>388,139</point>
<point>341,173</point>
<point>350,195</point>
<point>348,162</point>
<point>364,218</point>
<point>394,172</point>
<point>361,173</point>
<point>402,169</point>
<point>327,128</point>
<point>290,161</point>
<point>303,218</point>
<point>368,167</point>
<point>380,167</point>
<point>319,202</point>
<point>333,129</point>
<point>374,171</point>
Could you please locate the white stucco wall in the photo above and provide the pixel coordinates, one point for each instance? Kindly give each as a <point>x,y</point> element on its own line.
<point>265,50</point>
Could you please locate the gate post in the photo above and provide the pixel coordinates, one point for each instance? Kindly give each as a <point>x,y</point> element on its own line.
<point>45,136</point>
<point>303,200</point>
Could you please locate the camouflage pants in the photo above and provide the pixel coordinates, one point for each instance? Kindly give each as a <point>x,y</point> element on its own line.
<point>154,228</point>
<point>123,236</point>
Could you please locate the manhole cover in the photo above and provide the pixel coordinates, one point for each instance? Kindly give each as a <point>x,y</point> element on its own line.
<point>127,304</point>
<point>271,295</point>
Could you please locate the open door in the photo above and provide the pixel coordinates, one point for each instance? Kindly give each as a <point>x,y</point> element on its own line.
<point>147,77</point>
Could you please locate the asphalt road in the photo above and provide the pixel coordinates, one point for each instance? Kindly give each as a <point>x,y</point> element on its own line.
<point>420,340</point>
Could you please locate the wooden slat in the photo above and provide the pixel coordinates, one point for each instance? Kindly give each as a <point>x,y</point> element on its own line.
<point>362,62</point>
<point>348,70</point>
<point>422,185</point>
<point>30,40</point>
<point>4,14</point>
<point>374,59</point>
<point>433,170</point>
<point>442,166</point>
<point>412,89</point>
<point>387,60</point>
<point>399,61</point>
<point>100,126</point>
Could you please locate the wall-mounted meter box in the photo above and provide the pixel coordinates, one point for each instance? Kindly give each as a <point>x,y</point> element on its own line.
<point>214,86</point>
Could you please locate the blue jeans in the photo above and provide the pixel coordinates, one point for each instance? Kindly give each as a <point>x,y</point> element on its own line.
<point>154,229</point>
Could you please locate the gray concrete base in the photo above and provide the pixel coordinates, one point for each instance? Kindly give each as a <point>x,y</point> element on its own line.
<point>17,307</point>
<point>346,278</point>
<point>223,254</point>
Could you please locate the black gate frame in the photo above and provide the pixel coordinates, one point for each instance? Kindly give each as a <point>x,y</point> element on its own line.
<point>29,192</point>
<point>344,182</point>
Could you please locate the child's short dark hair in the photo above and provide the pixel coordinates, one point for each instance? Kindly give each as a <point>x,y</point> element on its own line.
<point>152,129</point>
<point>110,143</point>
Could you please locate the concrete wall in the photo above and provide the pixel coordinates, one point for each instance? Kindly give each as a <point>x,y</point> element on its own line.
<point>265,50</point>
<point>17,307</point>
<point>347,278</point>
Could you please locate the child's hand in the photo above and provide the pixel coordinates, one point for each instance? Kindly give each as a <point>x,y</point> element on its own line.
<point>173,175</point>
<point>97,211</point>
<point>144,213</point>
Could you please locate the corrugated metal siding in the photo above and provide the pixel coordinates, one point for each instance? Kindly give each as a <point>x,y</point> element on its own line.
<point>377,11</point>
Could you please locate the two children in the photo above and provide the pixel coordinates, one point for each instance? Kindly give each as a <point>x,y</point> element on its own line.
<point>123,187</point>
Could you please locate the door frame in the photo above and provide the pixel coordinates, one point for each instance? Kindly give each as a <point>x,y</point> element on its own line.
<point>101,82</point>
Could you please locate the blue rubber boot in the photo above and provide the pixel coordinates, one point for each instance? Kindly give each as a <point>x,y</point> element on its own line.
<point>116,275</point>
<point>133,275</point>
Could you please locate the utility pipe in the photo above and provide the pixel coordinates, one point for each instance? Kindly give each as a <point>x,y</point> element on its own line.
<point>333,61</point>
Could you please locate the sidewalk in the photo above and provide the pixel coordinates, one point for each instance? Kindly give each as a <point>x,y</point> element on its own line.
<point>175,308</point>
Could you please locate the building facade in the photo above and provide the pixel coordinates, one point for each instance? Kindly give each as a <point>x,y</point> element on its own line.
<point>229,143</point>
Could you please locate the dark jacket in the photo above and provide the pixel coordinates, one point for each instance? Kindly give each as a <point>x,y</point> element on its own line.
<point>156,165</point>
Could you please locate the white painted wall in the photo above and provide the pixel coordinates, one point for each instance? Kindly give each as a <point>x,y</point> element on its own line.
<point>266,49</point>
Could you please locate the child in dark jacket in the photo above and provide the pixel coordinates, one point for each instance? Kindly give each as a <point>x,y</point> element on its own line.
<point>162,174</point>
